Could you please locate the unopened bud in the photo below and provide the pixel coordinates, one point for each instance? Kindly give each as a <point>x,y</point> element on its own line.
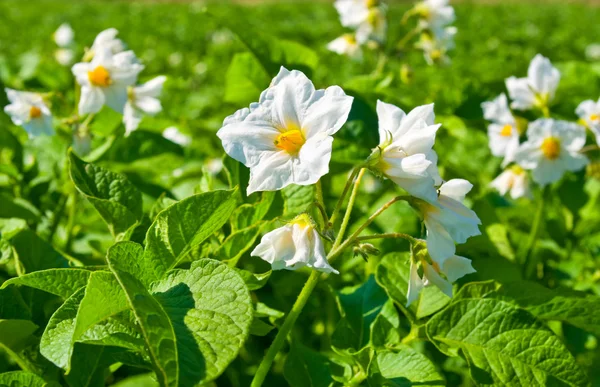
<point>369,249</point>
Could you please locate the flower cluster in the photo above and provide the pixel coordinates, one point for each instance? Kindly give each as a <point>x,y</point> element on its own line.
<point>436,34</point>
<point>552,147</point>
<point>286,138</point>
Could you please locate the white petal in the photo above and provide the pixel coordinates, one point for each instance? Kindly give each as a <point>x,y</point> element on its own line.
<point>542,76</point>
<point>131,118</point>
<point>313,160</point>
<point>273,172</point>
<point>116,97</point>
<point>503,182</point>
<point>319,259</point>
<point>434,278</point>
<point>586,108</point>
<point>548,171</point>
<point>328,113</point>
<point>519,91</point>
<point>497,110</point>
<point>246,141</point>
<point>390,117</point>
<point>456,189</point>
<point>91,100</point>
<point>152,88</point>
<point>528,155</point>
<point>457,267</point>
<point>291,93</point>
<point>415,284</point>
<point>148,105</point>
<point>418,116</point>
<point>440,244</point>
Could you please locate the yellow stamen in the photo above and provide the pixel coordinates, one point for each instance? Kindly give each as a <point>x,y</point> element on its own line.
<point>371,3</point>
<point>517,170</point>
<point>594,117</point>
<point>506,130</point>
<point>350,39</point>
<point>99,77</point>
<point>551,148</point>
<point>290,141</point>
<point>436,55</point>
<point>35,112</point>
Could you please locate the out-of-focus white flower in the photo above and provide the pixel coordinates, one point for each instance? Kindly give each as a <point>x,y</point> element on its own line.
<point>29,111</point>
<point>106,39</point>
<point>592,51</point>
<point>82,142</point>
<point>453,268</point>
<point>173,134</point>
<point>374,27</point>
<point>503,133</point>
<point>142,99</point>
<point>353,12</point>
<point>64,35</point>
<point>346,45</point>
<point>286,137</point>
<point>295,245</point>
<point>405,153</point>
<point>175,59</point>
<point>513,180</point>
<point>434,13</point>
<point>436,44</point>
<point>64,56</point>
<point>449,220</point>
<point>214,166</point>
<point>537,89</point>
<point>589,115</point>
<point>552,148</point>
<point>105,79</point>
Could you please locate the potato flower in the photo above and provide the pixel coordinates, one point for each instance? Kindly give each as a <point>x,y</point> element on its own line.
<point>503,134</point>
<point>354,12</point>
<point>513,180</point>
<point>29,111</point>
<point>295,245</point>
<point>63,36</point>
<point>173,134</point>
<point>142,99</point>
<point>105,79</point>
<point>436,43</point>
<point>449,220</point>
<point>105,39</point>
<point>346,45</point>
<point>537,89</point>
<point>64,56</point>
<point>405,153</point>
<point>552,148</point>
<point>286,137</point>
<point>434,14</point>
<point>374,27</point>
<point>589,115</point>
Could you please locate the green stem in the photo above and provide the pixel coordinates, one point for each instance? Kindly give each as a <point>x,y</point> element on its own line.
<point>395,235</point>
<point>351,201</point>
<point>528,259</point>
<point>338,206</point>
<point>545,111</point>
<point>58,214</point>
<point>71,219</point>
<point>409,35</point>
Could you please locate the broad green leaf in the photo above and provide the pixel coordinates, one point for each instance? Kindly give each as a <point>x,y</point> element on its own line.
<point>15,333</point>
<point>145,380</point>
<point>246,78</point>
<point>403,367</point>
<point>114,197</point>
<point>61,282</point>
<point>237,243</point>
<point>254,281</point>
<point>297,198</point>
<point>248,214</point>
<point>305,367</point>
<point>385,328</point>
<point>33,253</point>
<point>12,305</point>
<point>182,227</point>
<point>260,328</point>
<point>504,345</point>
<point>17,208</point>
<point>393,273</point>
<point>21,379</point>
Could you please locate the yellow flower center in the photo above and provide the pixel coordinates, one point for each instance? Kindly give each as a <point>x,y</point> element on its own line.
<point>517,170</point>
<point>436,55</point>
<point>594,117</point>
<point>350,39</point>
<point>551,148</point>
<point>371,3</point>
<point>99,77</point>
<point>422,11</point>
<point>506,130</point>
<point>35,112</point>
<point>290,141</point>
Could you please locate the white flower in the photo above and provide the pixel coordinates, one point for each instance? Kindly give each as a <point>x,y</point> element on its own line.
<point>503,134</point>
<point>436,43</point>
<point>449,220</point>
<point>551,149</point>
<point>513,180</point>
<point>173,134</point>
<point>434,13</point>
<point>82,142</point>
<point>295,245</point>
<point>537,90</point>
<point>64,56</point>
<point>104,80</point>
<point>346,45</point>
<point>353,12</point>
<point>453,268</point>
<point>405,146</point>
<point>64,35</point>
<point>29,111</point>
<point>286,137</point>
<point>106,39</point>
<point>589,114</point>
<point>214,166</point>
<point>142,99</point>
<point>374,27</point>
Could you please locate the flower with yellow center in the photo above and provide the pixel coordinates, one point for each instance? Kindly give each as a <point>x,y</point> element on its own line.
<point>552,148</point>
<point>589,116</point>
<point>346,45</point>
<point>537,89</point>
<point>286,137</point>
<point>141,100</point>
<point>30,111</point>
<point>502,132</point>
<point>293,246</point>
<point>99,77</point>
<point>434,14</point>
<point>35,112</point>
<point>513,180</point>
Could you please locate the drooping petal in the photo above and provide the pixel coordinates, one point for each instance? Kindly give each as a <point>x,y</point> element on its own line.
<point>115,97</point>
<point>152,88</point>
<point>272,172</point>
<point>457,267</point>
<point>433,278</point>
<point>439,242</point>
<point>520,92</point>
<point>148,105</point>
<point>456,189</point>
<point>415,284</point>
<point>131,118</point>
<point>319,259</point>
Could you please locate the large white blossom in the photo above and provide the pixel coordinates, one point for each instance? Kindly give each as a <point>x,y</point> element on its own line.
<point>405,154</point>
<point>589,114</point>
<point>503,133</point>
<point>346,45</point>
<point>538,88</point>
<point>295,245</point>
<point>513,180</point>
<point>552,148</point>
<point>449,220</point>
<point>63,36</point>
<point>105,79</point>
<point>29,111</point>
<point>434,14</point>
<point>142,99</point>
<point>286,137</point>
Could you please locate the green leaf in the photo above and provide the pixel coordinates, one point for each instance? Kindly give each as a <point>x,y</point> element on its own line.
<point>180,228</point>
<point>254,281</point>
<point>61,282</point>
<point>21,379</point>
<point>245,79</point>
<point>12,305</point>
<point>114,197</point>
<point>15,333</point>
<point>237,243</point>
<point>385,328</point>
<point>297,198</point>
<point>34,254</point>
<point>504,345</point>
<point>404,367</point>
<point>260,328</point>
<point>393,273</point>
<point>17,208</point>
<point>248,214</point>
<point>305,367</point>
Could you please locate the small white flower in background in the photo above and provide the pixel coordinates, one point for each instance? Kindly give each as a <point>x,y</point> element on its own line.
<point>353,12</point>
<point>346,45</point>
<point>453,268</point>
<point>374,27</point>
<point>175,59</point>
<point>513,180</point>
<point>592,51</point>
<point>589,115</point>
<point>435,45</point>
<point>142,99</point>
<point>105,79</point>
<point>64,56</point>
<point>503,133</point>
<point>405,154</point>
<point>82,142</point>
<point>173,134</point>
<point>537,89</point>
<point>449,220</point>
<point>214,166</point>
<point>64,35</point>
<point>293,246</point>
<point>286,137</point>
<point>106,39</point>
<point>552,148</point>
<point>434,14</point>
<point>29,111</point>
